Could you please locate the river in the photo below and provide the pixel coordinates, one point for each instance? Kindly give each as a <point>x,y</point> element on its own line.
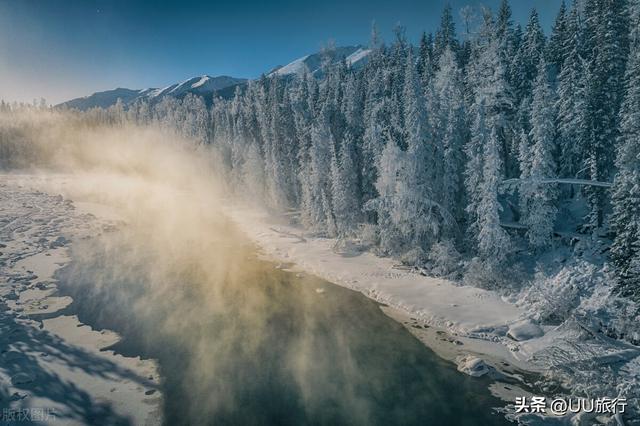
<point>242,342</point>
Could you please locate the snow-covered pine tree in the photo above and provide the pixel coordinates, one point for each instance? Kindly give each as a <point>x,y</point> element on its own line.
<point>527,58</point>
<point>571,101</point>
<point>555,47</point>
<point>445,36</point>
<point>417,212</point>
<point>376,125</point>
<point>539,198</point>
<point>303,97</point>
<point>320,214</point>
<point>388,166</point>
<point>450,129</point>
<point>506,37</point>
<point>483,170</point>
<point>607,31</point>
<point>625,219</point>
<point>344,186</point>
<point>494,244</point>
<point>195,123</point>
<point>426,66</point>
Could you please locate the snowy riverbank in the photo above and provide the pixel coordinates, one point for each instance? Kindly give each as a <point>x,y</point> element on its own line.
<point>457,322</point>
<point>54,369</point>
<point>480,316</point>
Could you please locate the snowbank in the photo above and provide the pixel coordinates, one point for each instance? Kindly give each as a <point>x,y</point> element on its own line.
<point>524,330</point>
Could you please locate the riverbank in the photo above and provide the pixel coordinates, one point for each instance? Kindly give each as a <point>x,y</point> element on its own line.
<point>480,317</point>
<point>53,368</point>
<point>471,327</point>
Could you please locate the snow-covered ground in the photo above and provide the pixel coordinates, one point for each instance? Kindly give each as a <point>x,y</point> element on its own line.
<point>53,369</point>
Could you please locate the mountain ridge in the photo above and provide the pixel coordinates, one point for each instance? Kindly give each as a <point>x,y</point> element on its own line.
<point>223,86</point>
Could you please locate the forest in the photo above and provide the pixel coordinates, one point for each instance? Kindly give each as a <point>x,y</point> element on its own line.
<point>477,156</point>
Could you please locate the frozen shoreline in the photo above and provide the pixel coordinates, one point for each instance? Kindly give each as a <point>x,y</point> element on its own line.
<point>53,367</point>
<point>477,319</point>
<point>455,321</point>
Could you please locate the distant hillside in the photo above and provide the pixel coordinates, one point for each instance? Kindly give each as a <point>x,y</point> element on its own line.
<point>223,86</point>
<point>205,86</point>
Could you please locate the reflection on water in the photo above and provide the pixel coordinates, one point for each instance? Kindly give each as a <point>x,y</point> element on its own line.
<point>242,343</point>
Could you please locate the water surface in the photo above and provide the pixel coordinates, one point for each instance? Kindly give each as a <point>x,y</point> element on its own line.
<point>240,342</point>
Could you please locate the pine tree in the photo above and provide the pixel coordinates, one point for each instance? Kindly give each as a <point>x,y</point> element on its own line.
<point>483,170</point>
<point>344,186</point>
<point>494,244</point>
<point>376,126</point>
<point>426,66</point>
<point>417,213</point>
<point>506,37</point>
<point>449,127</point>
<point>607,33</point>
<point>555,47</point>
<point>540,198</point>
<point>625,219</point>
<point>445,36</point>
<point>571,102</point>
<point>319,215</point>
<point>527,58</point>
<point>389,168</point>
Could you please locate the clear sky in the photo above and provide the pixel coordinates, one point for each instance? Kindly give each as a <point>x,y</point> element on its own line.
<point>61,49</point>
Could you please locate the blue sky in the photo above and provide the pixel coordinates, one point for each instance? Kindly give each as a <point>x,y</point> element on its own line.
<point>63,49</point>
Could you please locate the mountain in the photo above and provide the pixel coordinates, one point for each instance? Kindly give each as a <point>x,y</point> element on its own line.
<point>222,86</point>
<point>103,99</point>
<point>355,56</point>
<point>205,86</point>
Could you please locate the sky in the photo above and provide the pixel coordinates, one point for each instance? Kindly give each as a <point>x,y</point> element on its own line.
<point>62,49</point>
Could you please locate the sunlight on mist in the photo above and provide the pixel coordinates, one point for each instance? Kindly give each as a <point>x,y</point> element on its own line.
<point>185,256</point>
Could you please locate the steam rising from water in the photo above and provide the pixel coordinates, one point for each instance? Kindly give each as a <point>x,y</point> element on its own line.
<point>177,264</point>
<point>238,342</point>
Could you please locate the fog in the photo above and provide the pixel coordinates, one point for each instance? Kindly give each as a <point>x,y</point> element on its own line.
<point>238,341</point>
<point>175,260</point>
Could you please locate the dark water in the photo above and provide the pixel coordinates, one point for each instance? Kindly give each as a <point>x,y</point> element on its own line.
<point>240,342</point>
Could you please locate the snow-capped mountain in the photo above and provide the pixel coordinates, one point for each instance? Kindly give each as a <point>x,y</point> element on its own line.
<point>198,85</point>
<point>103,99</point>
<point>204,86</point>
<point>355,56</point>
<point>223,86</point>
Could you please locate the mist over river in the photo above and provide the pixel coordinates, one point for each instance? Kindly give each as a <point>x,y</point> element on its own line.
<point>237,340</point>
<point>241,342</point>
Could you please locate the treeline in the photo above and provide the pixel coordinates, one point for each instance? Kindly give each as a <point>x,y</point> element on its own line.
<point>416,144</point>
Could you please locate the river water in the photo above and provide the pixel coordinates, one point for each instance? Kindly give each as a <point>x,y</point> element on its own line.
<point>241,342</point>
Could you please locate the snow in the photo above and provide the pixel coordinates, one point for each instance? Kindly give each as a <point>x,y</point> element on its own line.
<point>47,358</point>
<point>201,85</point>
<point>473,366</point>
<point>294,67</point>
<point>354,56</point>
<point>358,57</point>
<point>200,82</point>
<point>476,328</point>
<point>524,330</point>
